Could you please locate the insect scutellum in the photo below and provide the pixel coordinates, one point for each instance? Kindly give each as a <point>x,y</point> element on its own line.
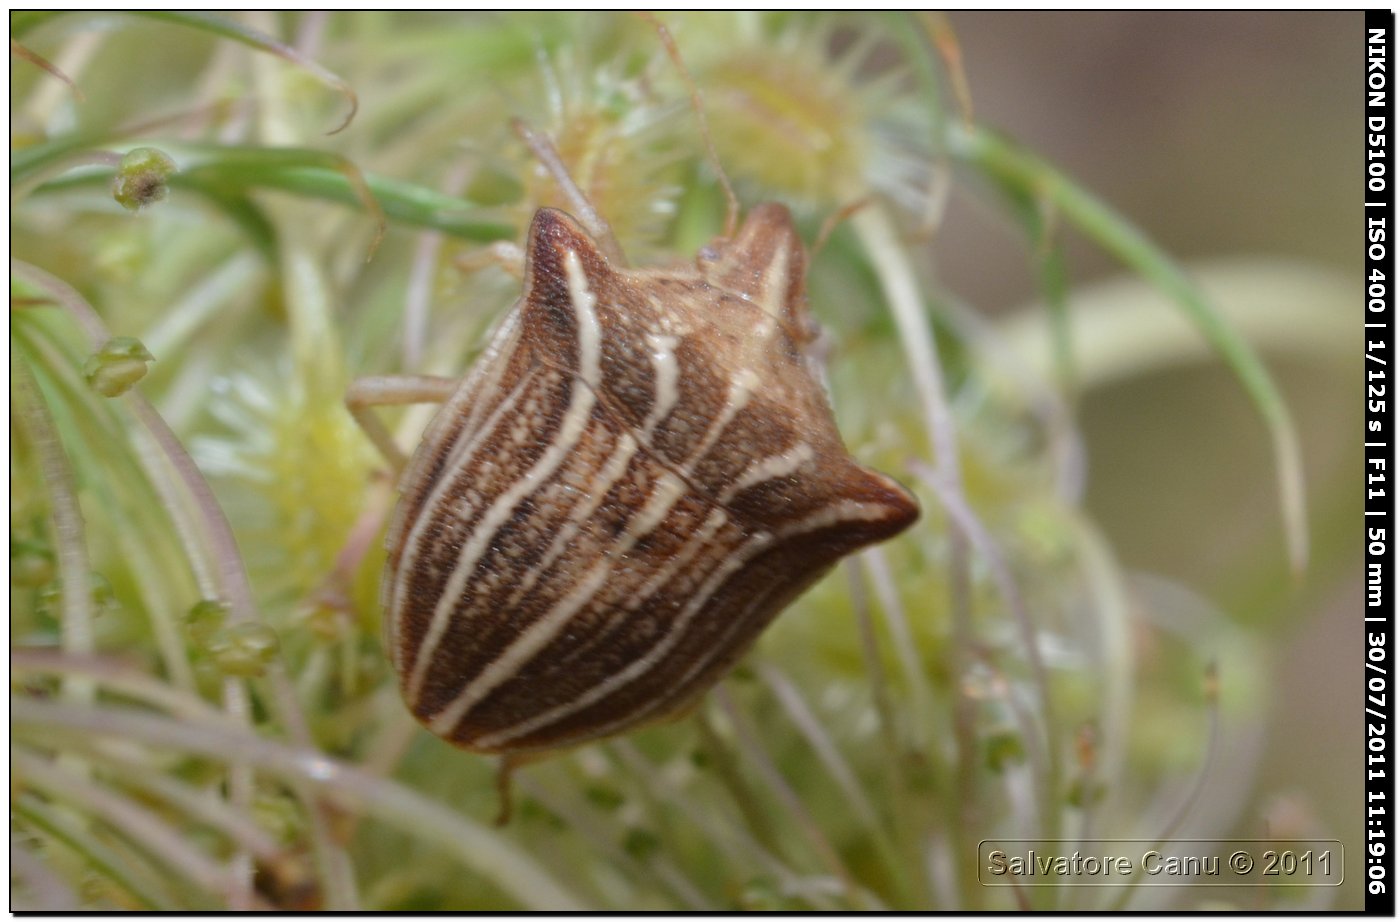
<point>637,475</point>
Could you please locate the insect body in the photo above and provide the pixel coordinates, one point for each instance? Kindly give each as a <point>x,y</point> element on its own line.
<point>638,475</point>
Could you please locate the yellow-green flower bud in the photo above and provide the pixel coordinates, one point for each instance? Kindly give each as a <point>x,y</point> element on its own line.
<point>120,363</point>
<point>244,649</point>
<point>50,600</point>
<point>141,178</point>
<point>204,620</point>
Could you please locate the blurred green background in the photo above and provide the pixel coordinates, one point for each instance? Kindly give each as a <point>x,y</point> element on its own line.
<point>1233,139</point>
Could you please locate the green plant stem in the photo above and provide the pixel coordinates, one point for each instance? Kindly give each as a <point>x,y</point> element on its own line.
<point>901,288</point>
<point>902,821</point>
<point>44,817</point>
<point>74,568</point>
<point>224,27</point>
<point>116,675</point>
<point>136,823</point>
<point>748,744</point>
<point>981,540</point>
<point>221,171</point>
<point>35,886</point>
<point>1018,169</point>
<point>487,852</point>
<point>727,771</point>
<point>234,586</point>
<point>728,836</point>
<point>1114,630</point>
<point>56,370</point>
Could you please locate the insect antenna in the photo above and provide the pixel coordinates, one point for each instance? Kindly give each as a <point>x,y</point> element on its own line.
<point>835,220</point>
<point>596,225</point>
<point>731,215</point>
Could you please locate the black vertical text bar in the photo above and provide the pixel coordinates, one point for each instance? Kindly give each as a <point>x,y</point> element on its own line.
<point>1380,844</point>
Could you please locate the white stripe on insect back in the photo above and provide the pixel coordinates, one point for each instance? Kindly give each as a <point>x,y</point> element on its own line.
<point>665,374</point>
<point>485,378</point>
<point>849,511</point>
<point>681,689</point>
<point>589,333</point>
<point>462,453</point>
<point>769,468</point>
<point>642,665</point>
<point>773,294</point>
<point>571,429</point>
<point>735,399</point>
<point>533,639</point>
<point>693,546</point>
<point>669,488</point>
<point>597,491</point>
<point>502,343</point>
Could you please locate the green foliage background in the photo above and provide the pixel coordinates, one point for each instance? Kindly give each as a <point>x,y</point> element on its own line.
<point>203,716</point>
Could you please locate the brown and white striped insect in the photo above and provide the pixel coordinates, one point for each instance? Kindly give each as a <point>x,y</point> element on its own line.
<point>640,472</point>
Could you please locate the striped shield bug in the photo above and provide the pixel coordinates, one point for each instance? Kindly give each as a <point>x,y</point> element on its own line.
<point>638,474</point>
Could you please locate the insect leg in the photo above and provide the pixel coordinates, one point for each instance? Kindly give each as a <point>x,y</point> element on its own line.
<point>392,390</point>
<point>505,789</point>
<point>501,254</point>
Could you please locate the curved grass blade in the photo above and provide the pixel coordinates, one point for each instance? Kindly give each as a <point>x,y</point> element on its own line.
<point>223,173</point>
<point>228,28</point>
<point>1013,168</point>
